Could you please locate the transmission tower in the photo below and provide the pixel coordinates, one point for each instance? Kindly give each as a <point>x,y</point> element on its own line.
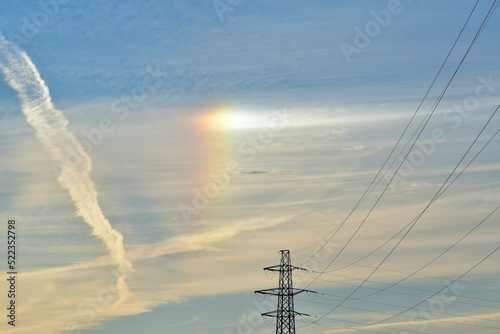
<point>285,313</point>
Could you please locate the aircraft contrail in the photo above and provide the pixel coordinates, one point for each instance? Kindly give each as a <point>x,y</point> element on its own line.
<point>75,164</point>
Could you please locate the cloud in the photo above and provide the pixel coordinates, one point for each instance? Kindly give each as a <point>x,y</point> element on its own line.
<point>202,240</point>
<point>72,162</point>
<point>254,172</point>
<point>355,148</point>
<point>80,295</point>
<point>273,172</point>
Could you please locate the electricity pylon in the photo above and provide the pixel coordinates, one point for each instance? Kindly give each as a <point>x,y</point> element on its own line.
<point>285,313</point>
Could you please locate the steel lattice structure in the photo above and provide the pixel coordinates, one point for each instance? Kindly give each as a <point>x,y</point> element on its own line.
<point>285,313</point>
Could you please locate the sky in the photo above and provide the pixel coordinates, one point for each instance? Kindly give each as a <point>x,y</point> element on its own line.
<point>157,155</point>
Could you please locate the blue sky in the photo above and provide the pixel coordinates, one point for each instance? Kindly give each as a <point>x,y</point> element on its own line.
<point>158,154</point>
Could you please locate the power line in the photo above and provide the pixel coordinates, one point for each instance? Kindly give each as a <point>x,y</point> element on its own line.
<point>411,316</point>
<point>493,7</point>
<point>432,201</point>
<point>399,306</point>
<point>437,257</point>
<point>439,291</point>
<point>441,320</point>
<point>437,195</point>
<point>428,298</point>
<point>410,294</point>
<point>486,19</point>
<point>369,189</point>
<point>367,330</point>
<point>416,219</point>
<point>392,270</point>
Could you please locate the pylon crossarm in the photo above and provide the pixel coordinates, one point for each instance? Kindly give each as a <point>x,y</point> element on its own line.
<point>283,268</point>
<point>272,314</point>
<point>274,291</point>
<point>278,291</point>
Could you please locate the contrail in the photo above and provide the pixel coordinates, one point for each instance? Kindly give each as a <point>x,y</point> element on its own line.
<point>75,164</point>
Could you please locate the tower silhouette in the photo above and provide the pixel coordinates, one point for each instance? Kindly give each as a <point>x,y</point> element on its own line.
<point>285,313</point>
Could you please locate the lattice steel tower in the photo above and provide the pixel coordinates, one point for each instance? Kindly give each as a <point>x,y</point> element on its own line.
<point>285,313</point>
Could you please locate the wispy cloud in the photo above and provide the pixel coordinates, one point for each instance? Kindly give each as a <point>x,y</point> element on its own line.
<point>74,164</point>
<point>205,239</point>
<point>85,286</point>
